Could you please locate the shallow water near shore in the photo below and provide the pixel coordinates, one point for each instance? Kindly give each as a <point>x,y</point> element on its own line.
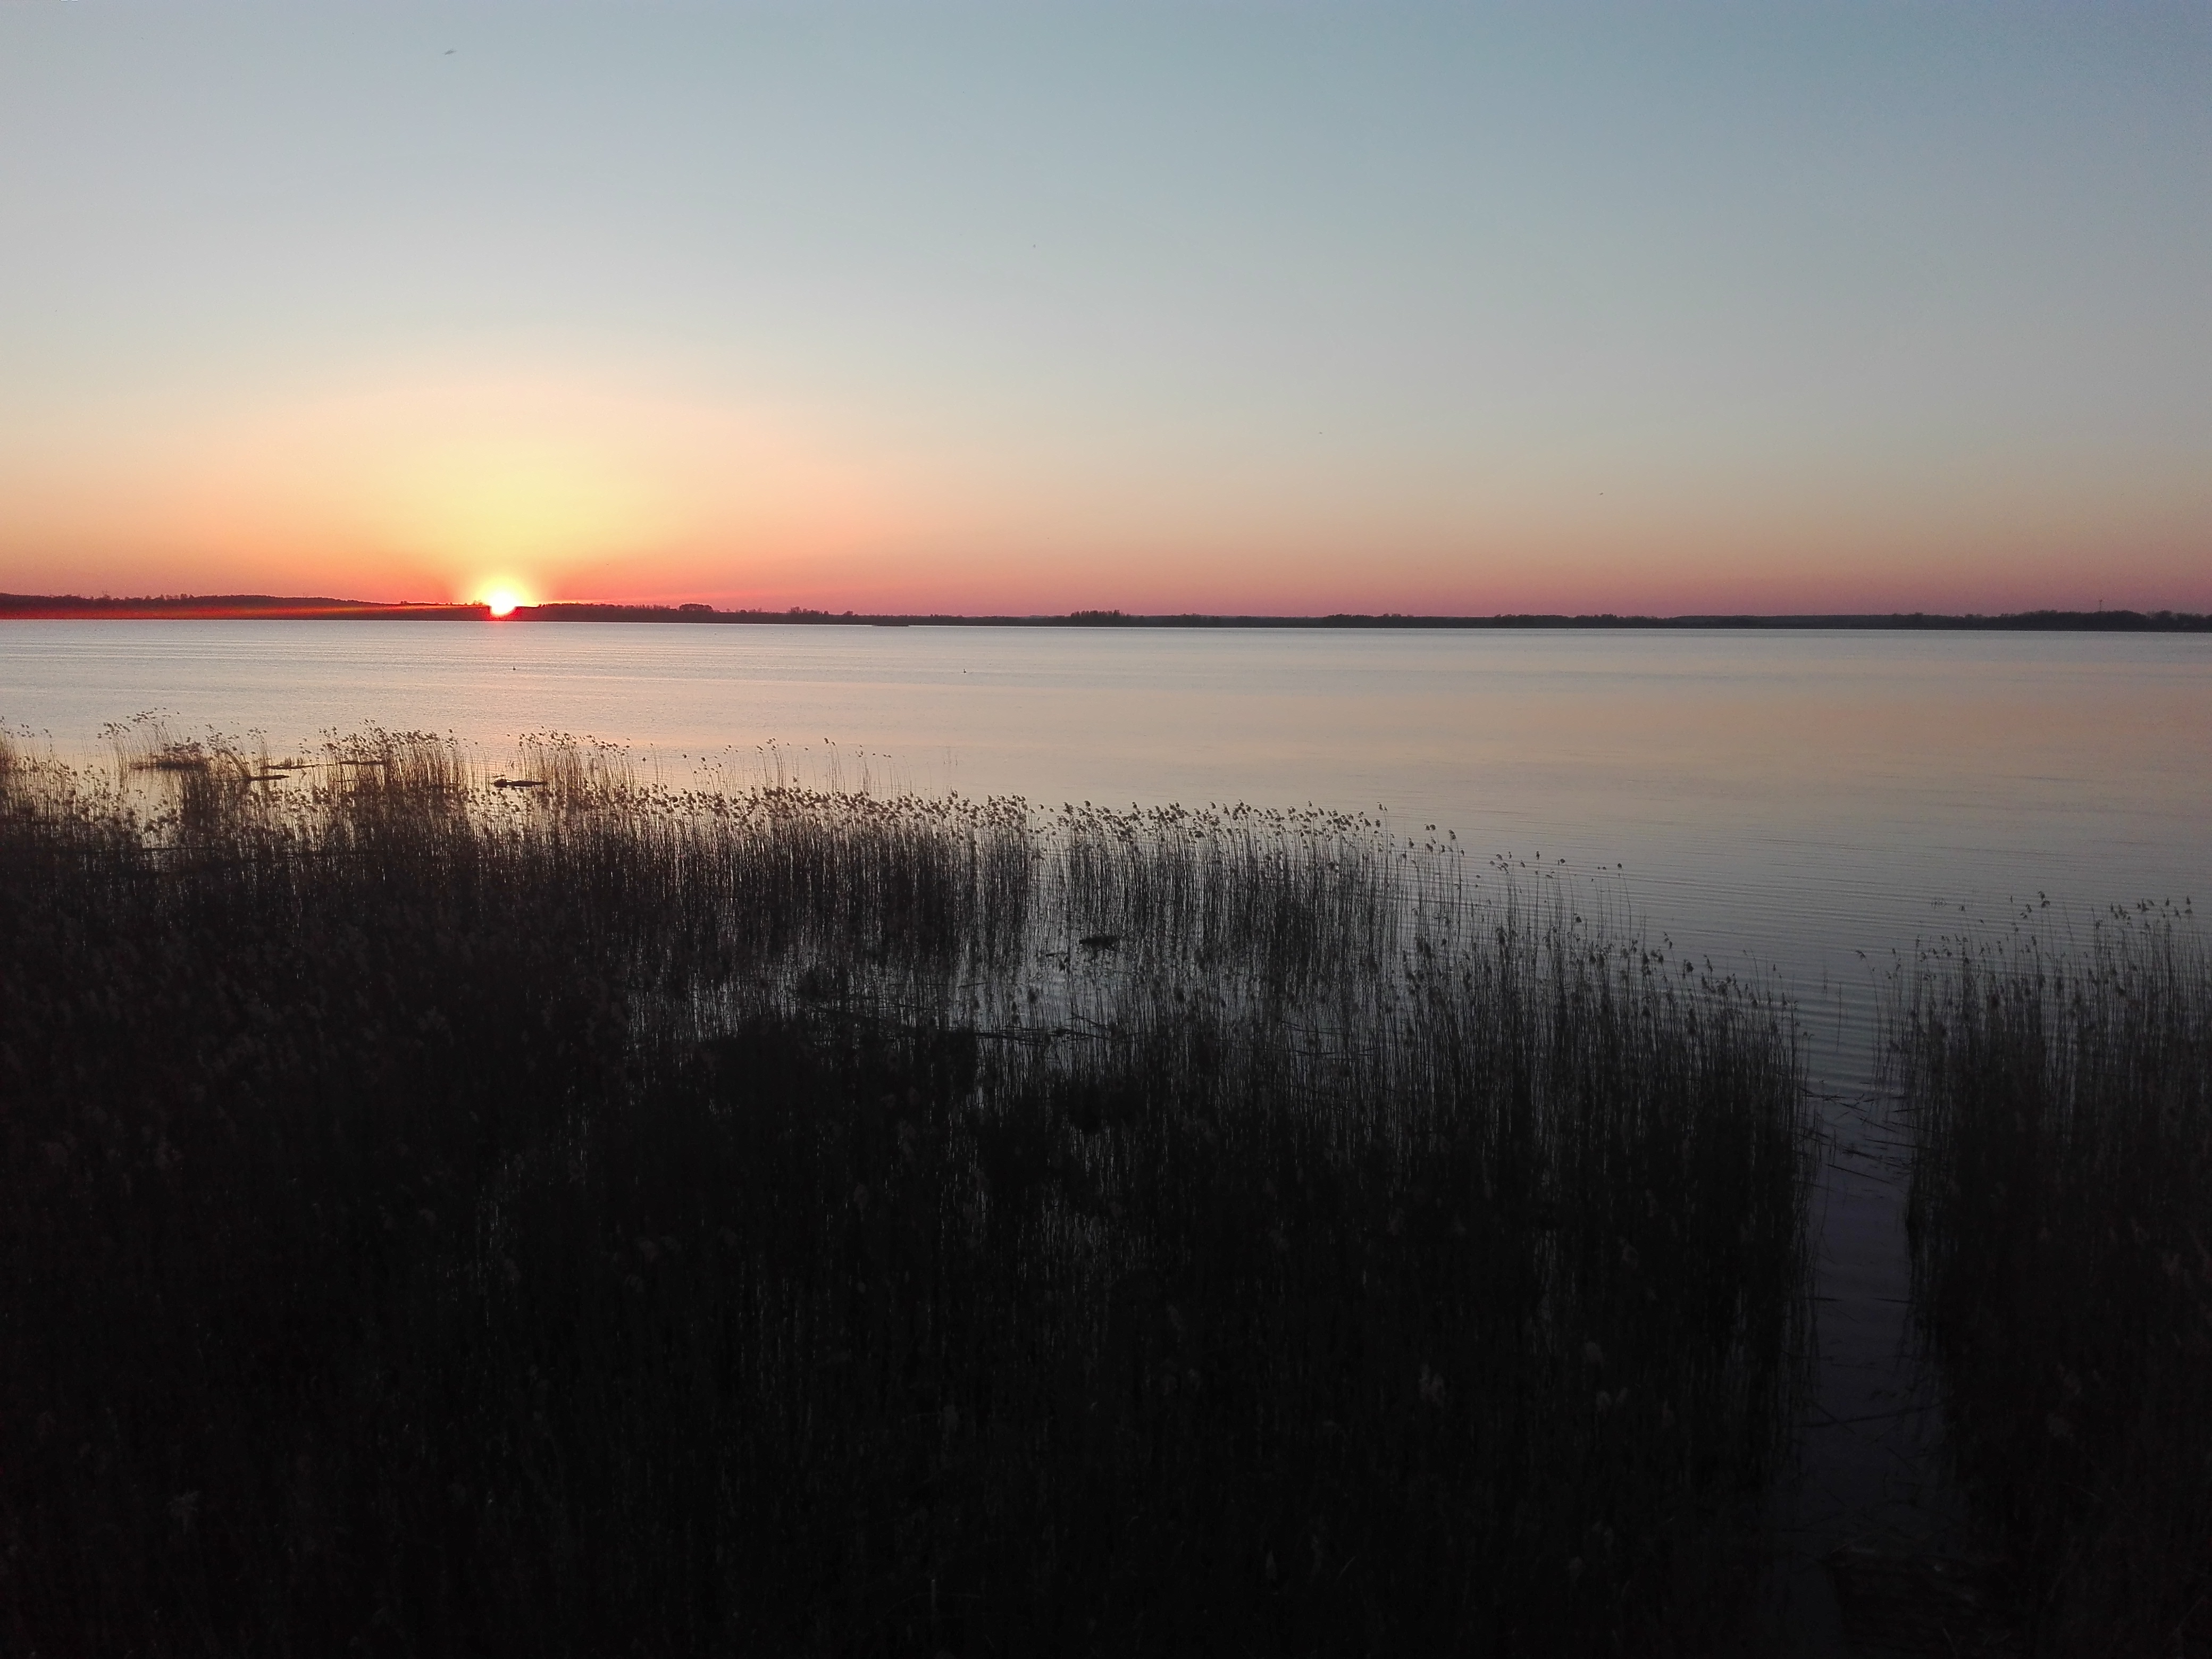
<point>1813,807</point>
<point>1793,798</point>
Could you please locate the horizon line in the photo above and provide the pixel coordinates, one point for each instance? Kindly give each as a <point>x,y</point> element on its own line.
<point>234,607</point>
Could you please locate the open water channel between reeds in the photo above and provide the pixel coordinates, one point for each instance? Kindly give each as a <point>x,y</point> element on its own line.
<point>1813,812</point>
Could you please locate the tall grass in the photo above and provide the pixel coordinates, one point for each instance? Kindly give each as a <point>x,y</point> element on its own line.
<point>450,1213</point>
<point>2061,1211</point>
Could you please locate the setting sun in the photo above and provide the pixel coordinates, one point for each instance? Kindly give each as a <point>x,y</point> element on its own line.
<point>503,601</point>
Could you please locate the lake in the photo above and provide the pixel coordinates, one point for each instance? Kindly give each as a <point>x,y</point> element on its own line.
<point>1814,805</point>
<point>1794,799</point>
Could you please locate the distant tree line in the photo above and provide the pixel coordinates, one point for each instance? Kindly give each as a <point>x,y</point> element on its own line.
<point>270,606</point>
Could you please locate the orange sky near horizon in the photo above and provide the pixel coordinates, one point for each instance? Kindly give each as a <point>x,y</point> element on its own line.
<point>581,487</point>
<point>560,489</point>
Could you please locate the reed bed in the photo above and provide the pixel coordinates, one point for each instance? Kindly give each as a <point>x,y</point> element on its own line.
<point>2061,1211</point>
<point>461,1212</point>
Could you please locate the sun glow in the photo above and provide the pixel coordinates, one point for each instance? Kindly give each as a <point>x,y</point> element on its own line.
<point>501,600</point>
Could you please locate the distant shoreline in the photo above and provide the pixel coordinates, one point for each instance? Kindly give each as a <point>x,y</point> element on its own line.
<point>260,607</point>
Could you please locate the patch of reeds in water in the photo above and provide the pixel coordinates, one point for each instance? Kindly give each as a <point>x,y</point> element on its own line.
<point>2061,1109</point>
<point>547,1214</point>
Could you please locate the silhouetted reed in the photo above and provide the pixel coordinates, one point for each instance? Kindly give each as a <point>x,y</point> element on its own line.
<point>2061,1105</point>
<point>546,1213</point>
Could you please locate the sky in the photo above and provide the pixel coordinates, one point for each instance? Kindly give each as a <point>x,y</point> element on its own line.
<point>1027,307</point>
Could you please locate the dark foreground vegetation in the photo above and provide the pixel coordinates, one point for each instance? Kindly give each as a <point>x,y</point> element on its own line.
<point>2061,1220</point>
<point>442,1215</point>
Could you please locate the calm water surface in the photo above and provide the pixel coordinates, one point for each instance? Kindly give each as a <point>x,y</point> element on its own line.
<point>1798,798</point>
<point>1814,805</point>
